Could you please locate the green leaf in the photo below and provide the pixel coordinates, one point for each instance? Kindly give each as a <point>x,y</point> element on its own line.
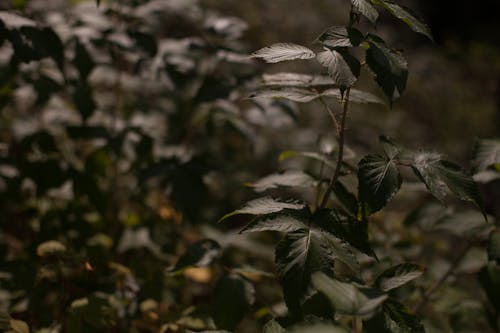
<point>296,80</point>
<point>282,221</point>
<point>282,52</point>
<point>398,275</point>
<point>232,298</point>
<point>489,277</point>
<point>298,255</point>
<point>366,9</point>
<point>346,199</point>
<point>272,326</point>
<point>340,36</point>
<point>378,181</point>
<point>405,15</point>
<point>348,298</point>
<point>494,245</point>
<point>388,66</point>
<point>289,178</point>
<point>199,254</point>
<point>266,205</point>
<point>345,227</point>
<point>294,94</point>
<point>486,154</point>
<point>439,175</point>
<point>394,318</point>
<point>342,67</point>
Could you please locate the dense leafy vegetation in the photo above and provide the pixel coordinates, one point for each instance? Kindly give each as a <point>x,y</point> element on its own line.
<point>127,130</point>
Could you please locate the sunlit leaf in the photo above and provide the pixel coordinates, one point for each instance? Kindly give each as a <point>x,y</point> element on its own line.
<point>283,51</point>
<point>266,205</point>
<point>289,178</point>
<point>342,67</point>
<point>366,9</point>
<point>398,275</point>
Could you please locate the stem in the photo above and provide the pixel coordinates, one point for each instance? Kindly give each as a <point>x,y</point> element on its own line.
<point>356,325</point>
<point>438,284</point>
<point>336,174</point>
<point>332,115</point>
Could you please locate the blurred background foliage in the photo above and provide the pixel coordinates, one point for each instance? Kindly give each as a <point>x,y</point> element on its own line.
<point>125,134</point>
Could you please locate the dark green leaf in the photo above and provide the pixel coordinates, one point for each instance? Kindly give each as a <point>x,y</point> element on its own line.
<point>289,178</point>
<point>366,9</point>
<point>398,275</point>
<point>283,221</point>
<point>489,277</point>
<point>494,245</point>
<point>340,36</point>
<point>83,99</point>
<point>378,181</point>
<point>347,199</point>
<point>298,255</point>
<point>345,227</point>
<point>200,254</point>
<point>388,66</point>
<point>266,205</point>
<point>342,67</point>
<point>439,175</point>
<point>348,298</point>
<point>394,318</point>
<point>406,15</point>
<point>282,52</point>
<point>232,298</point>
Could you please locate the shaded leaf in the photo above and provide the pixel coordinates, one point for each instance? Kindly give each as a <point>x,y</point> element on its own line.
<point>378,181</point>
<point>406,15</point>
<point>319,328</point>
<point>199,254</point>
<point>347,298</point>
<point>440,175</point>
<point>489,277</point>
<point>347,199</point>
<point>340,36</point>
<point>266,205</point>
<point>398,275</point>
<point>494,245</point>
<point>394,318</point>
<point>366,9</point>
<point>232,298</point>
<point>283,51</point>
<point>312,155</point>
<point>289,178</point>
<point>282,221</point>
<point>342,67</point>
<point>388,66</point>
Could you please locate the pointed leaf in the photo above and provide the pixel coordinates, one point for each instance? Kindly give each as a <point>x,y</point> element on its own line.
<point>298,255</point>
<point>289,178</point>
<point>366,9</point>
<point>405,15</point>
<point>232,298</point>
<point>398,275</point>
<point>296,80</point>
<point>378,181</point>
<point>294,94</point>
<point>266,205</point>
<point>340,36</point>
<point>347,298</point>
<point>319,328</point>
<point>282,221</point>
<point>394,318</point>
<point>342,67</point>
<point>439,175</point>
<point>388,66</point>
<point>486,154</point>
<point>283,51</point>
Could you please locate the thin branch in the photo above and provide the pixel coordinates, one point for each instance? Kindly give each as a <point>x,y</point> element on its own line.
<point>332,115</point>
<point>439,283</point>
<point>338,167</point>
